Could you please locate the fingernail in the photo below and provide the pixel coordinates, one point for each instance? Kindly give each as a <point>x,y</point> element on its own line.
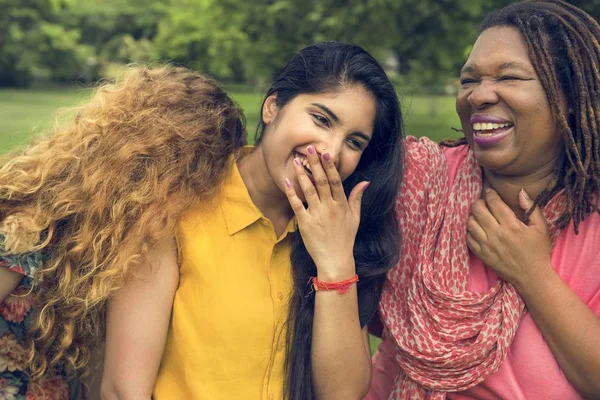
<point>297,161</point>
<point>326,157</point>
<point>288,183</point>
<point>311,150</point>
<point>366,186</point>
<point>525,194</point>
<point>488,190</point>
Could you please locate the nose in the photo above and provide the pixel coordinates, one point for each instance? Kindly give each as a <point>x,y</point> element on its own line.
<point>482,95</point>
<point>334,148</point>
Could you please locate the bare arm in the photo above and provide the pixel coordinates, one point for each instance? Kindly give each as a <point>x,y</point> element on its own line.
<point>341,356</point>
<point>136,328</point>
<point>569,327</point>
<point>9,280</point>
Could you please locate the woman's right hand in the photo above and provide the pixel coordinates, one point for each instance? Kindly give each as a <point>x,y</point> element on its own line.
<point>330,223</point>
<point>520,253</point>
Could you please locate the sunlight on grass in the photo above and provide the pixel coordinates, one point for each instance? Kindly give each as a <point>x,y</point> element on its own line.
<point>24,113</point>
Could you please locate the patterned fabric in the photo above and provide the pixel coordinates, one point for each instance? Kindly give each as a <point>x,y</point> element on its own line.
<point>447,338</point>
<point>15,319</point>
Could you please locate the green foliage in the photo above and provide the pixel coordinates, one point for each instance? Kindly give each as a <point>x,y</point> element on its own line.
<point>422,42</point>
<point>33,40</point>
<point>237,40</point>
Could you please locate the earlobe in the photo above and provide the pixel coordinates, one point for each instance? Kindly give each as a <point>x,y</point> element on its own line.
<point>269,110</point>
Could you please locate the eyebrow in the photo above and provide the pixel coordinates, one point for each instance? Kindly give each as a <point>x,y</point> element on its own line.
<point>507,65</point>
<point>362,136</point>
<point>328,111</point>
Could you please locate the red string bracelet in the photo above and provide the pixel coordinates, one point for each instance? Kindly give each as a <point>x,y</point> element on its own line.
<point>341,286</point>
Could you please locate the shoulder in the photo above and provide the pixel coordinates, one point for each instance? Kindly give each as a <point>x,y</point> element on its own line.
<point>425,159</point>
<point>421,150</point>
<point>425,154</point>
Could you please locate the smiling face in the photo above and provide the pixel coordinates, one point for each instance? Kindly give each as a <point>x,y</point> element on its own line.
<point>339,123</point>
<point>503,109</point>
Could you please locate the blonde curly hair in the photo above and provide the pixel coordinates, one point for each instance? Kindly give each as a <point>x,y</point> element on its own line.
<point>98,193</point>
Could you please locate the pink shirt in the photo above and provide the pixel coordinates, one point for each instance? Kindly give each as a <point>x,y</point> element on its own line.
<point>530,370</point>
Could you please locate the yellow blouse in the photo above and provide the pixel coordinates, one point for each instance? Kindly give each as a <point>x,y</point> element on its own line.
<point>227,333</point>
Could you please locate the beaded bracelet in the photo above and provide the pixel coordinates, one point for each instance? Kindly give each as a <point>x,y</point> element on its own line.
<point>341,286</point>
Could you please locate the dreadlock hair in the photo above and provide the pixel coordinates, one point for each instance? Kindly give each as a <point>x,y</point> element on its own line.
<point>97,193</point>
<point>564,47</point>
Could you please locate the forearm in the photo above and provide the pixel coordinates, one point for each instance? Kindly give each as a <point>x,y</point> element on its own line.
<point>109,392</point>
<point>137,323</point>
<point>9,280</point>
<point>569,327</point>
<point>340,356</point>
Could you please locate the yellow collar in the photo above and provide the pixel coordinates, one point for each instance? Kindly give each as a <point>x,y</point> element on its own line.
<point>238,209</point>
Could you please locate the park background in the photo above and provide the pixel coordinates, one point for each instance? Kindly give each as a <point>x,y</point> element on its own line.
<point>53,52</point>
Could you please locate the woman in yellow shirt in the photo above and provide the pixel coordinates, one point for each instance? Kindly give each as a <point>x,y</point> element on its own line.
<point>149,199</point>
<point>331,116</point>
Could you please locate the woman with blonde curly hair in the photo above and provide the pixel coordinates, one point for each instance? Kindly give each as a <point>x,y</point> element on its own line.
<point>81,209</point>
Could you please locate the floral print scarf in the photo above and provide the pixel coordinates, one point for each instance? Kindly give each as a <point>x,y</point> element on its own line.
<point>447,338</point>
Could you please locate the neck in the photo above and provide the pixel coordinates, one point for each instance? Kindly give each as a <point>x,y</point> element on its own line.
<point>508,187</point>
<point>263,191</point>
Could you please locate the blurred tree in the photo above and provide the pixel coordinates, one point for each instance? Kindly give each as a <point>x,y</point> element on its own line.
<point>235,39</point>
<point>33,40</point>
<point>120,31</point>
<point>590,6</point>
<point>423,41</point>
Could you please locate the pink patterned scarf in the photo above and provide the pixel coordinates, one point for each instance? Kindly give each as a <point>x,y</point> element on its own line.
<point>447,338</point>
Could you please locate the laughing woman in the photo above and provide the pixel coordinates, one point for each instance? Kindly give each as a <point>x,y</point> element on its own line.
<point>497,294</point>
<point>245,324</point>
<point>151,190</point>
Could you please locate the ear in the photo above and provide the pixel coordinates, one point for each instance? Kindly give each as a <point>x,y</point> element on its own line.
<point>270,109</point>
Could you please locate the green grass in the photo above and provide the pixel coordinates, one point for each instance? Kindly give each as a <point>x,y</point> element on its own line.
<point>26,112</point>
<point>431,116</point>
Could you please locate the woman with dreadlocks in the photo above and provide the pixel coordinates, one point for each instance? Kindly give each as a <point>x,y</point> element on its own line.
<point>497,294</point>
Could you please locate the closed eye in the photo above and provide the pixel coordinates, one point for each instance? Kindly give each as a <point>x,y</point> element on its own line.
<point>321,120</point>
<point>510,78</point>
<point>467,81</point>
<point>356,144</point>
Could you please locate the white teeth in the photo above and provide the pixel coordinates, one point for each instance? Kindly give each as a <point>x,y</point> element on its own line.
<point>483,126</point>
<point>303,160</point>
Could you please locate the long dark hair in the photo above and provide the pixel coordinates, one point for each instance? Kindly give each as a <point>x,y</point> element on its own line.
<point>329,67</point>
<point>563,43</point>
